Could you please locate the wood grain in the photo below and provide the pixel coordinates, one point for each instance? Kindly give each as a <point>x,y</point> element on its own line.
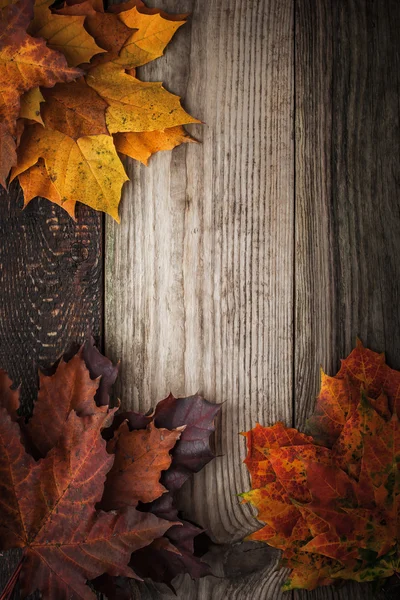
<point>199,274</point>
<point>50,290</point>
<point>347,194</point>
<point>50,284</point>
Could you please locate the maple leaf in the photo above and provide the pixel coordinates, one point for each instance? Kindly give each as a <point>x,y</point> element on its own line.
<point>140,456</point>
<point>25,63</point>
<point>331,501</point>
<point>48,508</point>
<point>142,145</point>
<point>64,33</point>
<point>69,497</point>
<point>173,554</point>
<point>73,157</point>
<point>87,169</point>
<point>30,105</point>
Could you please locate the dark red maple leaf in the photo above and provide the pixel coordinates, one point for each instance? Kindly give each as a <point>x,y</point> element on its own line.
<point>69,517</point>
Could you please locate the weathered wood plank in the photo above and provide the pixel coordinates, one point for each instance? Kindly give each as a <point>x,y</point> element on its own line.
<point>347,193</point>
<point>50,289</point>
<point>199,273</point>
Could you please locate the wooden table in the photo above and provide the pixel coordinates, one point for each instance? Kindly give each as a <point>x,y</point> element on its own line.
<point>242,263</point>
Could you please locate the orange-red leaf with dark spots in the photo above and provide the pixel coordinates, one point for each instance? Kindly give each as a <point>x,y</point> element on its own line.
<point>331,502</point>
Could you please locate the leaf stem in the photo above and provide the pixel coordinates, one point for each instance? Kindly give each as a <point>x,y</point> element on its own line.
<point>8,590</point>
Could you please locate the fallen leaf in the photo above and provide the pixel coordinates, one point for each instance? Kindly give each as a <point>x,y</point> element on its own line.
<point>173,555</point>
<point>64,33</point>
<point>141,146</point>
<point>140,457</point>
<point>25,63</point>
<point>333,509</point>
<point>58,474</point>
<point>106,99</point>
<point>153,33</point>
<point>75,391</point>
<point>48,509</point>
<point>36,181</point>
<point>134,105</point>
<point>8,153</point>
<point>30,105</point>
<point>75,110</point>
<point>86,170</point>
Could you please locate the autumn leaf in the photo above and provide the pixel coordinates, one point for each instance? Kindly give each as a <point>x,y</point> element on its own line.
<point>71,499</point>
<point>54,500</point>
<point>87,122</point>
<point>30,105</point>
<point>25,63</point>
<point>64,33</point>
<point>134,105</point>
<point>87,169</point>
<point>140,457</point>
<point>173,554</point>
<point>142,145</point>
<point>331,501</point>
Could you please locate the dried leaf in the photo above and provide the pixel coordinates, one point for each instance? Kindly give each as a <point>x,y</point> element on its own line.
<point>58,474</point>
<point>107,99</point>
<point>63,33</point>
<point>140,457</point>
<point>75,110</point>
<point>25,62</point>
<point>153,33</point>
<point>48,508</point>
<point>141,146</point>
<point>334,511</point>
<point>30,105</point>
<point>133,104</point>
<point>36,181</point>
<point>86,170</point>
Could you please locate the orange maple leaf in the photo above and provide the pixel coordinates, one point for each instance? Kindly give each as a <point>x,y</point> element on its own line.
<point>331,501</point>
<point>25,62</point>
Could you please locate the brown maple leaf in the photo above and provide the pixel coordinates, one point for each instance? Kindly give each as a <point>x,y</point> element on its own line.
<point>331,502</point>
<point>85,124</point>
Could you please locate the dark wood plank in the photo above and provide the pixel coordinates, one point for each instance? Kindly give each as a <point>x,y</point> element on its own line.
<point>51,287</point>
<point>347,194</point>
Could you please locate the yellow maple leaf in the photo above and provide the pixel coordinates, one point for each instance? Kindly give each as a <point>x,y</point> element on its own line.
<point>63,33</point>
<point>153,33</point>
<point>141,146</point>
<point>135,105</point>
<point>87,170</point>
<point>30,105</point>
<point>73,156</point>
<point>35,181</point>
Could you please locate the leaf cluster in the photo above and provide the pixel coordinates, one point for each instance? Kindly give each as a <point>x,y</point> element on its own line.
<point>330,500</point>
<point>71,102</point>
<point>88,494</point>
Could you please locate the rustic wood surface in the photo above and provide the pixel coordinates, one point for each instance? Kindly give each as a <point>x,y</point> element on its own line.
<point>51,284</point>
<point>198,278</point>
<point>241,264</point>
